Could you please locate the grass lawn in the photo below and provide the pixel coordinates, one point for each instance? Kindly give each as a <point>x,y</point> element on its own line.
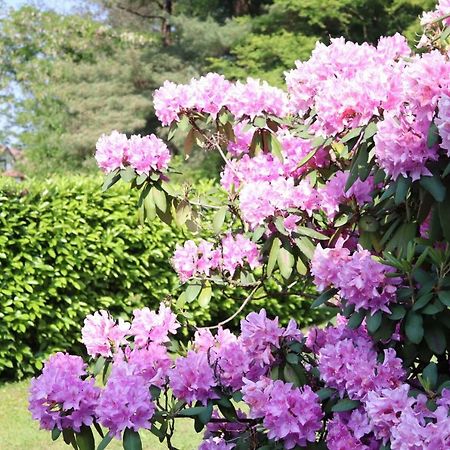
<point>19,432</point>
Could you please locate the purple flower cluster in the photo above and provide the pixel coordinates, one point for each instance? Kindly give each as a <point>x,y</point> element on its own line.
<point>210,93</point>
<point>360,279</point>
<point>235,251</point>
<point>62,396</point>
<point>145,154</point>
<point>290,414</point>
<point>125,402</point>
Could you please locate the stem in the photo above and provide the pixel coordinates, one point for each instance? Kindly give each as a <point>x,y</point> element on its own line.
<point>244,304</point>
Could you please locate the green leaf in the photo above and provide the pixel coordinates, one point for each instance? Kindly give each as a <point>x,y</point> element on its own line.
<point>286,261</point>
<point>445,35</point>
<point>436,340</point>
<point>414,327</point>
<point>205,295</point>
<point>259,122</point>
<point>398,312</point>
<point>219,219</point>
<point>105,441</point>
<point>205,415</point>
<point>311,233</point>
<point>444,297</point>
<point>305,246</point>
<point>55,434</point>
<point>85,438</point>
<point>275,147</point>
<point>433,135</point>
<point>430,374</point>
<point>309,156</point>
<point>369,131</point>
<point>324,297</point>
<point>159,196</point>
<point>373,322</point>
<point>189,143</point>
<point>111,179</point>
<point>192,291</point>
<point>434,186</point>
<point>356,319</point>
<point>273,255</point>
<point>351,135</point>
<point>131,440</point>
<point>401,189</point>
<point>325,393</point>
<point>128,174</point>
<point>422,301</point>
<point>346,405</point>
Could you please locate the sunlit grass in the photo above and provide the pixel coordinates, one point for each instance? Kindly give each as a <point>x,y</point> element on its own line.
<point>19,432</point>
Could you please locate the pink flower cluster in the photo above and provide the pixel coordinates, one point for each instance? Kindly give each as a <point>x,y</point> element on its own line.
<point>290,414</point>
<point>145,154</point>
<point>443,122</point>
<point>360,279</point>
<point>235,251</point>
<point>102,335</point>
<point>225,360</point>
<point>406,421</point>
<point>261,199</point>
<point>63,396</point>
<point>125,402</point>
<point>210,93</point>
<point>364,75</point>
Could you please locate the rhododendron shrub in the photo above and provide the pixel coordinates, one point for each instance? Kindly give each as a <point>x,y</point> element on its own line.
<point>342,180</point>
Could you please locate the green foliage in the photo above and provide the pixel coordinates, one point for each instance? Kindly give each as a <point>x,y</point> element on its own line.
<point>289,29</point>
<point>68,250</point>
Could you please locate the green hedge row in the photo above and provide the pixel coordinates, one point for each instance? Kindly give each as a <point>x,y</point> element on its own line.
<point>67,249</point>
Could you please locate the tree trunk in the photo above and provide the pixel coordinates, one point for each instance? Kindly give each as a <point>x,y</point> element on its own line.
<point>165,24</point>
<point>241,7</point>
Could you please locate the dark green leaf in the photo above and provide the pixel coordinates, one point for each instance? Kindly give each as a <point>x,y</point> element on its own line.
<point>85,438</point>
<point>356,319</point>
<point>434,186</point>
<point>325,393</point>
<point>273,255</point>
<point>401,190</point>
<point>436,340</point>
<point>324,297</point>
<point>55,434</point>
<point>414,327</point>
<point>345,405</point>
<point>444,297</point>
<point>111,179</point>
<point>305,231</point>
<point>131,440</point>
<point>433,135</point>
<point>374,321</point>
<point>430,374</point>
<point>106,440</point>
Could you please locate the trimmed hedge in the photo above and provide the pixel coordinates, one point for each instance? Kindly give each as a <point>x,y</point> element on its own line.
<point>67,249</point>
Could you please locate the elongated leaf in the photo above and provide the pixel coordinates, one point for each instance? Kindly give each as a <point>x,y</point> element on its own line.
<point>311,233</point>
<point>345,405</point>
<point>306,246</point>
<point>159,197</point>
<point>275,147</point>
<point>444,297</point>
<point>401,190</point>
<point>324,297</point>
<point>286,261</point>
<point>111,179</point>
<point>434,186</point>
<point>436,340</point>
<point>374,321</point>
<point>433,135</point>
<point>273,255</point>
<point>105,441</point>
<point>430,374</point>
<point>128,174</point>
<point>85,438</point>
<point>205,295</point>
<point>356,319</point>
<point>131,440</point>
<point>192,291</point>
<point>351,135</point>
<point>55,434</point>
<point>219,218</point>
<point>414,327</point>
<point>182,212</point>
<point>189,143</point>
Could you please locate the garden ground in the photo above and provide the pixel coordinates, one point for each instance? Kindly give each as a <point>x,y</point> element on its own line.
<point>18,431</point>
